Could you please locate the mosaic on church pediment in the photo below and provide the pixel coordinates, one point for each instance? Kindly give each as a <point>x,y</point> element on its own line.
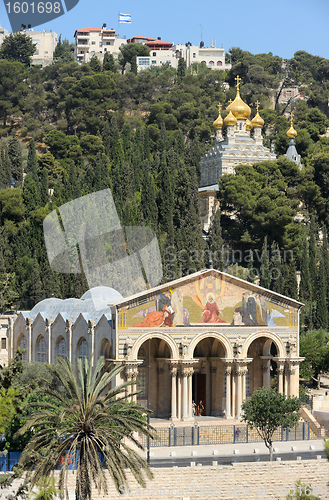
<point>212,299</point>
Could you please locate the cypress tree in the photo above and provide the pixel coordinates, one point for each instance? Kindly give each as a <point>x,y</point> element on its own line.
<point>305,290</point>
<point>265,278</point>
<point>37,292</point>
<point>15,157</point>
<point>149,209</point>
<point>5,167</point>
<point>181,70</point>
<point>313,256</point>
<point>32,162</point>
<point>276,269</point>
<point>44,193</point>
<point>321,318</point>
<point>215,240</point>
<point>108,63</point>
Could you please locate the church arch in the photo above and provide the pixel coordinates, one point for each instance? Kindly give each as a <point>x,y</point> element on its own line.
<point>272,337</point>
<point>215,335</point>
<point>22,344</point>
<point>60,345</point>
<point>159,370</point>
<point>173,347</point>
<point>208,380</point>
<point>105,349</point>
<point>41,350</point>
<point>82,348</point>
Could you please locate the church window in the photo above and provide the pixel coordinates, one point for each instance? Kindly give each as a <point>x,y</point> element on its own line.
<point>4,343</point>
<point>41,350</point>
<point>83,349</point>
<point>61,348</point>
<point>23,345</point>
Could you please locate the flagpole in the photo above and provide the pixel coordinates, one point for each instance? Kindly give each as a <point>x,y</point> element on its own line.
<point>119,24</point>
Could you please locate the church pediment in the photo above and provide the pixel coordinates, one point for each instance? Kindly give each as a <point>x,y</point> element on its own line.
<point>208,297</point>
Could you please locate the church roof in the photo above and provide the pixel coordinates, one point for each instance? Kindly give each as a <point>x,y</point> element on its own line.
<point>273,296</point>
<point>93,304</point>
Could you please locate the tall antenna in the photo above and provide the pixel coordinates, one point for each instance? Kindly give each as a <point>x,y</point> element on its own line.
<point>201,31</point>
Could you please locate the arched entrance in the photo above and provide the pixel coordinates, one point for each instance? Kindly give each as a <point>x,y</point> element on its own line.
<point>154,353</point>
<point>208,381</point>
<point>262,371</point>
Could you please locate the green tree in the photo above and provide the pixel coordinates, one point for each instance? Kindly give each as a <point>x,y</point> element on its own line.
<point>46,489</point>
<point>315,349</point>
<point>64,51</point>
<point>181,70</point>
<point>8,398</point>
<point>266,410</point>
<point>80,423</point>
<point>108,63</point>
<point>95,64</point>
<point>15,157</point>
<point>17,47</point>
<point>129,51</point>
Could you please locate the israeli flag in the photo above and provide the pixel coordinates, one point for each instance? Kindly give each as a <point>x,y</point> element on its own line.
<point>124,18</point>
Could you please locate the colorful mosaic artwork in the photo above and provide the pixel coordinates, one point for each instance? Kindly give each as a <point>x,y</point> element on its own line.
<point>212,299</point>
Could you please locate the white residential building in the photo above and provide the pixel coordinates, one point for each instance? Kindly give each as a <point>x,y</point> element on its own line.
<point>91,42</point>
<point>45,41</point>
<point>213,57</point>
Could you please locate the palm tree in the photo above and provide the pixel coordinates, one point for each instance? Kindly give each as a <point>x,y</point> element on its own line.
<point>83,423</point>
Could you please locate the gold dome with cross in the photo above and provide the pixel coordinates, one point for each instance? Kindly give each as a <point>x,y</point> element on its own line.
<point>291,133</point>
<point>238,107</point>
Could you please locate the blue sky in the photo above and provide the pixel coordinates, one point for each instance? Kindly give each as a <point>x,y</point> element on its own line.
<point>280,26</point>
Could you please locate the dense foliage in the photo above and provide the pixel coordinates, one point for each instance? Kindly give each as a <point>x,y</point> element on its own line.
<point>71,129</point>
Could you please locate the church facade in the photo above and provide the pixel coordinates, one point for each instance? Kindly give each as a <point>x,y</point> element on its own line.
<point>234,145</point>
<point>207,337</point>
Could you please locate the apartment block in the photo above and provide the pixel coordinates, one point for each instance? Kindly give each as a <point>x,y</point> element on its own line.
<point>91,42</point>
<point>45,42</point>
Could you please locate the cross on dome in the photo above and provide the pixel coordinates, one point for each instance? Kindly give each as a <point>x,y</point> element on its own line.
<point>238,80</point>
<point>257,105</point>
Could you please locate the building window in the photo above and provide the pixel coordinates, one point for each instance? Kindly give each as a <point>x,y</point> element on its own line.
<point>154,54</point>
<point>93,43</point>
<point>4,343</point>
<point>41,350</point>
<point>101,44</point>
<point>61,348</point>
<point>219,63</point>
<point>211,63</point>
<point>154,62</point>
<point>23,345</point>
<point>83,349</point>
<point>194,55</point>
<point>144,61</point>
<point>105,50</point>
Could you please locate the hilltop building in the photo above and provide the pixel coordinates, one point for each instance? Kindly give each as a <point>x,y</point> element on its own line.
<point>234,146</point>
<point>91,42</point>
<point>212,337</point>
<point>45,41</point>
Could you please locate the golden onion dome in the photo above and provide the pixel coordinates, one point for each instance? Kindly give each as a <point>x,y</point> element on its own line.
<point>230,119</point>
<point>257,120</point>
<point>238,107</point>
<point>291,133</point>
<point>218,123</point>
<point>248,124</point>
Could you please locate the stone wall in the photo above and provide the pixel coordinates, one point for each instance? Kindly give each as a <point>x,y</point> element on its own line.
<point>237,481</point>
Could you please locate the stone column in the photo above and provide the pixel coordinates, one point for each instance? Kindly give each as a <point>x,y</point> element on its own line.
<point>134,377</point>
<point>29,340</point>
<point>48,331</point>
<point>280,372</point>
<point>128,379</point>
<point>239,390</point>
<point>180,396</point>
<point>234,382</point>
<point>228,371</point>
<point>10,335</point>
<point>189,398</point>
<point>68,329</point>
<point>208,388</point>
<point>244,374</point>
<point>184,395</point>
<point>91,331</point>
<point>286,381</point>
<point>173,372</point>
<point>266,372</point>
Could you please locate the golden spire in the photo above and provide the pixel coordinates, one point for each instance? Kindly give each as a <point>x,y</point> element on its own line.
<point>239,108</point>
<point>257,120</point>
<point>230,119</point>
<point>238,80</point>
<point>291,133</point>
<point>218,123</point>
